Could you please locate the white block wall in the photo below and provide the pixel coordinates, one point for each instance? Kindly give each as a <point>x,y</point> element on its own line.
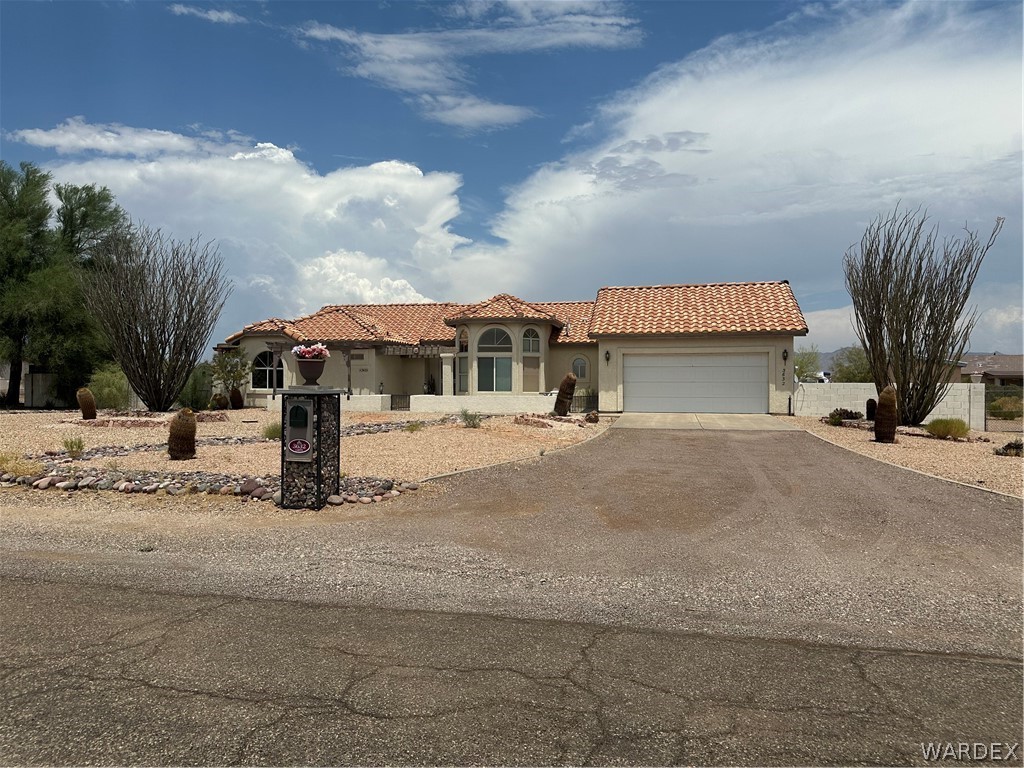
<point>962,401</point>
<point>497,404</point>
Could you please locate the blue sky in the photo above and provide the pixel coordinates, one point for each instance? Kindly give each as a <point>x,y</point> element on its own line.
<point>350,152</point>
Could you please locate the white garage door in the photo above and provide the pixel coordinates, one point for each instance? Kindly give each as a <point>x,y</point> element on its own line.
<point>695,383</point>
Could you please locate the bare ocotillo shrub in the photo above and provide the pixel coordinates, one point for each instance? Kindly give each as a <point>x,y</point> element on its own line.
<point>909,297</point>
<point>157,300</point>
<point>565,392</point>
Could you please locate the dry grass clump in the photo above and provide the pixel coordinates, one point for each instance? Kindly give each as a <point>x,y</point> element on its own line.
<point>19,466</point>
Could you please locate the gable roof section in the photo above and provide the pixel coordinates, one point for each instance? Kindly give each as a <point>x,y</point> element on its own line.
<point>503,307</point>
<point>680,310</point>
<point>274,326</point>
<point>994,364</point>
<point>574,317</point>
<point>369,323</point>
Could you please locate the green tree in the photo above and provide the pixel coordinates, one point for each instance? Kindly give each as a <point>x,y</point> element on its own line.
<point>850,364</point>
<point>806,362</point>
<point>41,306</point>
<point>910,296</point>
<point>26,245</point>
<point>231,369</point>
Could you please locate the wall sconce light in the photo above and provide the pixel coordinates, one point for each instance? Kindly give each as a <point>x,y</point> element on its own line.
<point>607,357</point>
<point>785,355</point>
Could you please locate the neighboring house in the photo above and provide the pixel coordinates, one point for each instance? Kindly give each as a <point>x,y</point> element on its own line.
<point>995,369</point>
<point>720,347</point>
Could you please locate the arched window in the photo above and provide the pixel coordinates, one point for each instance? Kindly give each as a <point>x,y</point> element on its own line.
<point>264,375</point>
<point>531,360</point>
<point>462,361</point>
<point>494,340</point>
<point>494,361</point>
<point>579,368</point>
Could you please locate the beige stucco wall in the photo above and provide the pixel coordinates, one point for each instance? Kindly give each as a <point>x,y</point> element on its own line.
<point>780,374</point>
<point>549,376</point>
<point>562,356</point>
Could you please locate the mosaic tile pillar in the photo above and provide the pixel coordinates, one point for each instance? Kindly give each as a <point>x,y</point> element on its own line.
<point>310,446</point>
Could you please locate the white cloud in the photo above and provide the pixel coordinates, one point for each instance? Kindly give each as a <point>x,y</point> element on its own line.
<point>345,277</point>
<point>292,239</point>
<point>216,17</point>
<point>429,67</point>
<point>765,155</point>
<point>76,135</point>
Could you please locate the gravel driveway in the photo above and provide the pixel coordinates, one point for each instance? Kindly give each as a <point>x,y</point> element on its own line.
<point>776,535</point>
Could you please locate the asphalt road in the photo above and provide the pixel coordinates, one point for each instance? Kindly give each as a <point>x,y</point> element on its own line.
<point>650,598</point>
<point>106,675</point>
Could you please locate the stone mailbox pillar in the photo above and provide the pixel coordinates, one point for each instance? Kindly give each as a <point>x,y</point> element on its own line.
<point>310,446</point>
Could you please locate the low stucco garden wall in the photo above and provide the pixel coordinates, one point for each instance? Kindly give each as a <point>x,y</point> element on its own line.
<point>488,404</point>
<point>962,401</point>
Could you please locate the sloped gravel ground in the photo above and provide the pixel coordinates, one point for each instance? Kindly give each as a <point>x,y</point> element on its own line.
<point>407,455</point>
<point>972,462</point>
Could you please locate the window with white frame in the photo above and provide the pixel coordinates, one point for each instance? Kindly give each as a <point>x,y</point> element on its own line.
<point>264,374</point>
<point>580,368</point>
<point>494,361</point>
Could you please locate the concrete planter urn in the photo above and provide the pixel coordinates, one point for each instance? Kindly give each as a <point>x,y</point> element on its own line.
<point>311,370</point>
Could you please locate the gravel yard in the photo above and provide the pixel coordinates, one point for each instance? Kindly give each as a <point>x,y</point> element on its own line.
<point>973,463</point>
<point>408,455</point>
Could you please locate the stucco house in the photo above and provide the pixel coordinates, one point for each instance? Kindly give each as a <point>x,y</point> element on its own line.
<point>995,370</point>
<point>710,348</point>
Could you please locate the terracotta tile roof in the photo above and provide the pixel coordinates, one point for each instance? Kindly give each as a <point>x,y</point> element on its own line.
<point>274,326</point>
<point>575,318</point>
<point>368,323</point>
<point>698,309</point>
<point>502,307</point>
<point>650,310</point>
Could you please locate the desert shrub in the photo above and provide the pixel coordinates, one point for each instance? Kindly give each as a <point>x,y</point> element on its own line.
<point>198,389</point>
<point>272,431</point>
<point>19,466</point>
<point>414,426</point>
<point>74,446</point>
<point>839,415</point>
<point>471,420</point>
<point>110,387</point>
<point>1009,407</point>
<point>1012,448</point>
<point>943,428</point>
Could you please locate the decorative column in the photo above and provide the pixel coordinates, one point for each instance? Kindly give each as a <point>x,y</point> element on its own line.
<point>310,446</point>
<point>447,373</point>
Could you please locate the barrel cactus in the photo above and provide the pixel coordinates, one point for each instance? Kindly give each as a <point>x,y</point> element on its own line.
<point>565,392</point>
<point>181,442</point>
<point>870,407</point>
<point>87,403</point>
<point>886,416</point>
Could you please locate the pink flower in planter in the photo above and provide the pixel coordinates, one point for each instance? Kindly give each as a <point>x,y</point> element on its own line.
<point>314,352</point>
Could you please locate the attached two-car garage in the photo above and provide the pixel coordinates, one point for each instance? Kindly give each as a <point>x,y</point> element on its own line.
<point>695,383</point>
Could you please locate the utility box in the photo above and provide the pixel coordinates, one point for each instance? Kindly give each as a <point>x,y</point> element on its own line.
<point>310,446</point>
